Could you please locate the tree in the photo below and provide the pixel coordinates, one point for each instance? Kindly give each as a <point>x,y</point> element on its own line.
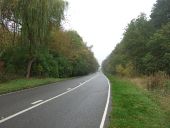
<point>127,56</point>
<point>160,13</point>
<point>72,53</point>
<point>37,17</point>
<point>135,40</point>
<point>159,49</point>
<point>42,47</point>
<point>145,47</point>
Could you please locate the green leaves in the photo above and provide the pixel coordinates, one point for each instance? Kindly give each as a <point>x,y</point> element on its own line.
<point>160,13</point>
<point>145,45</point>
<point>75,58</point>
<point>159,46</point>
<point>38,46</point>
<point>132,48</point>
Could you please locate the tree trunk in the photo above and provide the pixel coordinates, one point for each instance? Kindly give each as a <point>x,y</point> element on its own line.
<point>14,35</point>
<point>29,68</point>
<point>2,63</point>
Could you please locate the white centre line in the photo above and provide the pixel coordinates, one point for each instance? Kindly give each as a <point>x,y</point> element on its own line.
<point>37,102</point>
<point>41,103</point>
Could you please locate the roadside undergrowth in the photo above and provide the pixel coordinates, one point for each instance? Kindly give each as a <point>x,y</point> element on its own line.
<point>20,84</point>
<point>133,107</point>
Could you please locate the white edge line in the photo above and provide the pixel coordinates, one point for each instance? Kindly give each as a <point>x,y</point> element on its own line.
<point>37,102</point>
<point>106,107</point>
<point>68,88</point>
<point>28,109</point>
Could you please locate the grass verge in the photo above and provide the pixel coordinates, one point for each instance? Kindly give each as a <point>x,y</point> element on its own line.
<point>20,84</point>
<point>134,108</point>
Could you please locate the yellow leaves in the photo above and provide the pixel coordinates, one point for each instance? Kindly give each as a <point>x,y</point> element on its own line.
<point>67,44</point>
<point>60,43</point>
<point>127,70</point>
<point>5,38</point>
<point>120,69</point>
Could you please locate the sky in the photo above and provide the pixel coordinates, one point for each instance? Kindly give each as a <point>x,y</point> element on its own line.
<point>101,23</point>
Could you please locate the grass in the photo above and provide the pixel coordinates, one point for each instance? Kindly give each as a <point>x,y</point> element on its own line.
<point>20,84</point>
<point>133,107</point>
<point>159,95</point>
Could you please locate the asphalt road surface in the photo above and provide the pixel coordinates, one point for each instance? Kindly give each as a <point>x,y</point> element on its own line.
<point>76,103</point>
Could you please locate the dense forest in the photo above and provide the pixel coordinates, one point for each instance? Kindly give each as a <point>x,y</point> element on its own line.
<point>33,42</point>
<point>145,47</point>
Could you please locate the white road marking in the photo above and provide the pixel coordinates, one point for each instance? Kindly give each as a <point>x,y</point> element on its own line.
<point>68,89</point>
<point>106,107</point>
<point>37,102</point>
<point>30,108</point>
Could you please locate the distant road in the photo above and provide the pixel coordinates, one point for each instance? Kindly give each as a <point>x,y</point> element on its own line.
<point>76,103</point>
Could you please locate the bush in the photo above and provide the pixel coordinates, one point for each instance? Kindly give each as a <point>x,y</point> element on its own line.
<point>3,77</point>
<point>127,70</point>
<point>167,87</point>
<point>159,81</point>
<point>15,60</point>
<point>64,67</point>
<point>45,66</point>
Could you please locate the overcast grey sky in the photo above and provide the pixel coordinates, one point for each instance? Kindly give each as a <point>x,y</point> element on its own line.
<point>101,23</point>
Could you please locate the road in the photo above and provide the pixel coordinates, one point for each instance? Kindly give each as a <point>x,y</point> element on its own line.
<point>76,103</point>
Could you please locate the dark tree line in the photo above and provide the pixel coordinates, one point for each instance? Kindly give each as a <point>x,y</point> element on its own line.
<point>145,47</point>
<point>33,43</point>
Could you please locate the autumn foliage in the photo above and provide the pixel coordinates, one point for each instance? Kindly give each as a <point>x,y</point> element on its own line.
<point>33,42</point>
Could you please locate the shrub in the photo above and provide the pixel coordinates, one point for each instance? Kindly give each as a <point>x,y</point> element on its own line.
<point>45,66</point>
<point>3,77</point>
<point>127,70</point>
<point>159,81</point>
<point>167,87</point>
